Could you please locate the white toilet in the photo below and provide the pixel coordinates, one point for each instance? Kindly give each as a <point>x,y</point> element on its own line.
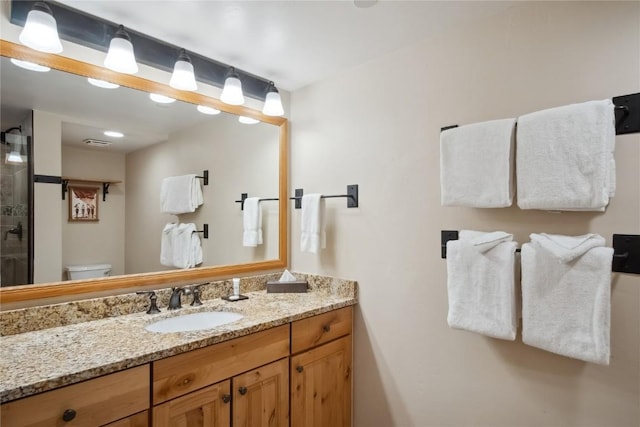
<point>89,271</point>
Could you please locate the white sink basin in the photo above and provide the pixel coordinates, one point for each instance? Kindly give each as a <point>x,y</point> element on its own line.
<point>194,322</point>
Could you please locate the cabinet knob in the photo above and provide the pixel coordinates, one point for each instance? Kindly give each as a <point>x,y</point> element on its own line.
<point>68,415</point>
<point>226,398</point>
<point>326,328</point>
<point>242,390</point>
<point>299,369</point>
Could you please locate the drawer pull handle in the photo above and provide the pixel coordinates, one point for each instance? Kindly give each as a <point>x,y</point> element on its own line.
<point>242,390</point>
<point>68,415</point>
<point>326,328</point>
<point>226,398</point>
<point>300,369</point>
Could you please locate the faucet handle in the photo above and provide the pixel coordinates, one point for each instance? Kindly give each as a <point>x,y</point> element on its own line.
<point>195,290</point>
<point>153,306</point>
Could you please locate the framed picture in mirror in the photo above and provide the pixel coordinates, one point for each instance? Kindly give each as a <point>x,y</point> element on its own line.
<point>83,203</point>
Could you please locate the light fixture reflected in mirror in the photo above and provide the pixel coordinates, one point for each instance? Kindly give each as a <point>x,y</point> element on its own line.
<point>183,77</point>
<point>232,91</point>
<point>248,120</point>
<point>161,99</point>
<point>102,83</point>
<point>208,110</point>
<point>120,56</point>
<point>15,142</point>
<point>40,31</point>
<point>272,102</point>
<point>31,66</point>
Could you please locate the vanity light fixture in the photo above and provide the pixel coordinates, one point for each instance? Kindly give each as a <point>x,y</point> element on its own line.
<point>161,99</point>
<point>113,133</point>
<point>272,102</point>
<point>120,56</point>
<point>232,91</point>
<point>31,66</point>
<point>14,140</point>
<point>183,77</point>
<point>208,110</point>
<point>102,83</point>
<point>248,120</point>
<point>40,31</point>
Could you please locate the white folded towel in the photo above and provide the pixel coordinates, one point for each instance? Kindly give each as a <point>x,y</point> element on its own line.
<point>252,222</point>
<point>166,244</point>
<point>476,164</point>
<point>564,157</point>
<point>180,194</point>
<point>187,251</point>
<point>481,283</point>
<point>566,296</point>
<point>312,230</point>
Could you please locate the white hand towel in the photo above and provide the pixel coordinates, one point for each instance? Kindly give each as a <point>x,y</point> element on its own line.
<point>564,157</point>
<point>184,252</point>
<point>166,245</point>
<point>180,194</point>
<point>252,222</point>
<point>481,284</point>
<point>566,305</point>
<point>476,165</point>
<point>312,233</point>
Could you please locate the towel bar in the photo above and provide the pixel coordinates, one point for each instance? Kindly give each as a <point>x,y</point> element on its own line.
<point>243,197</point>
<point>626,250</point>
<point>204,177</point>
<point>352,196</point>
<point>204,231</point>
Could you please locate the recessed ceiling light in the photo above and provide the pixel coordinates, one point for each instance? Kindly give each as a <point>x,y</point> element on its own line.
<point>208,110</point>
<point>248,120</point>
<point>161,98</point>
<point>113,133</point>
<point>103,84</point>
<point>30,66</point>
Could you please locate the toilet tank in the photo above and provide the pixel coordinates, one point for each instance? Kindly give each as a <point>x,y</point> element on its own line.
<point>88,271</point>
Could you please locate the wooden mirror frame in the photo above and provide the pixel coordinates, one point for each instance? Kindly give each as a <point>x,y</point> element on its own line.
<point>76,287</point>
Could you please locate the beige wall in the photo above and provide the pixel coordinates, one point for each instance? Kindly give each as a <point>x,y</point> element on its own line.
<point>378,126</point>
<point>47,221</point>
<point>240,159</point>
<point>103,241</point>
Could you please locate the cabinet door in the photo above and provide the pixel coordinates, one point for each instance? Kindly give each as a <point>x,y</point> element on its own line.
<point>321,386</point>
<point>261,396</point>
<point>141,419</point>
<point>208,407</point>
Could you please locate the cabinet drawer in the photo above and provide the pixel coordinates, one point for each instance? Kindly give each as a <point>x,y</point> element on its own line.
<point>183,373</point>
<point>313,331</point>
<point>96,402</point>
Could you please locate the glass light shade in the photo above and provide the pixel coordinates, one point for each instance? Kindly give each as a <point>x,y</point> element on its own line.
<point>183,77</point>
<point>161,99</point>
<point>14,157</point>
<point>232,91</point>
<point>208,110</point>
<point>120,57</point>
<point>248,120</point>
<point>30,66</point>
<point>273,105</point>
<point>103,84</point>
<point>40,31</point>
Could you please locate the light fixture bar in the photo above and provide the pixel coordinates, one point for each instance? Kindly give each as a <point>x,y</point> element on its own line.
<point>94,32</point>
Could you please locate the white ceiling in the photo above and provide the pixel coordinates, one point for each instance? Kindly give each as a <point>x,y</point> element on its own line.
<point>293,43</point>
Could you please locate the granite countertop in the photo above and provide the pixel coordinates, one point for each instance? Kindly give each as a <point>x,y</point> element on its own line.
<point>37,361</point>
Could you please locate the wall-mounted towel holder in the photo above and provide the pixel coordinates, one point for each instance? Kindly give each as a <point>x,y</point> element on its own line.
<point>204,231</point>
<point>626,250</point>
<point>352,196</point>
<point>244,196</point>
<point>627,112</point>
<point>204,177</point>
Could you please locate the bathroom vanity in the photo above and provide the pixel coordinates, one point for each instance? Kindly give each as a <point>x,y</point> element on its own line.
<point>286,362</point>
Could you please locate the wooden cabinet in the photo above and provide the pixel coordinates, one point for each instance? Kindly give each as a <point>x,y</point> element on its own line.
<point>261,396</point>
<point>91,403</point>
<point>321,376</point>
<point>209,407</point>
<point>141,419</point>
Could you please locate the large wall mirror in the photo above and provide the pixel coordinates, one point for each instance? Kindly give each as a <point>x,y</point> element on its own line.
<point>161,140</point>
